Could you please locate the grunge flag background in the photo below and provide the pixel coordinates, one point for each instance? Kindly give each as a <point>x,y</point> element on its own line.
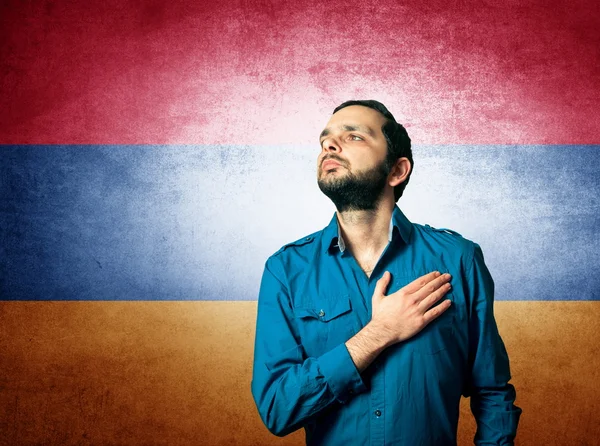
<point>154,154</point>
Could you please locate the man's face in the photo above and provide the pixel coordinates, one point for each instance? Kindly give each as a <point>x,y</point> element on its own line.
<point>351,168</point>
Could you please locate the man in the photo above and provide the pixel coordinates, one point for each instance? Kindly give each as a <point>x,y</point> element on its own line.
<point>370,330</point>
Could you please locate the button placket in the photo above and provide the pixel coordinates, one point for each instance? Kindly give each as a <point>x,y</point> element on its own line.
<point>377,406</point>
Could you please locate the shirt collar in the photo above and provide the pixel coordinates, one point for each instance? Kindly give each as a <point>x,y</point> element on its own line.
<point>332,236</point>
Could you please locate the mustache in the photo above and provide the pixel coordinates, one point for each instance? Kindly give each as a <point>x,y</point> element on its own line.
<point>334,158</point>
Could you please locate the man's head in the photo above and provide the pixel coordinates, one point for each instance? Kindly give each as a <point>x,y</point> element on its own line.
<point>363,150</point>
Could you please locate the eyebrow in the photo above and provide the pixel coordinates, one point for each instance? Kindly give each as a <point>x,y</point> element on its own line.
<point>350,128</point>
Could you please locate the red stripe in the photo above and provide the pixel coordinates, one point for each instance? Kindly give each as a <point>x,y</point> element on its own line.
<point>271,72</point>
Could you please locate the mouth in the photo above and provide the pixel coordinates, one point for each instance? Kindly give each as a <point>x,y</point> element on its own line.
<point>330,164</point>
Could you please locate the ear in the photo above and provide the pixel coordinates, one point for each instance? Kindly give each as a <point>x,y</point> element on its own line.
<point>399,172</point>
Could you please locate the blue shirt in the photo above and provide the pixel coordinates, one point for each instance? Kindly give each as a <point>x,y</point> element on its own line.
<point>314,297</point>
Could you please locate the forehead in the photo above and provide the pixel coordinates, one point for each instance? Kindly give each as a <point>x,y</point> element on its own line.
<point>357,115</point>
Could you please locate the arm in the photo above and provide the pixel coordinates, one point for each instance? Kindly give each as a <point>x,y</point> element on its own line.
<point>492,398</point>
<point>367,344</point>
<point>288,387</point>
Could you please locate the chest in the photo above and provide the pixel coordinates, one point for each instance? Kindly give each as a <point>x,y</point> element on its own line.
<point>332,304</point>
<point>366,262</point>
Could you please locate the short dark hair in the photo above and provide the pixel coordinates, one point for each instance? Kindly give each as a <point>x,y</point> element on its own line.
<point>398,141</point>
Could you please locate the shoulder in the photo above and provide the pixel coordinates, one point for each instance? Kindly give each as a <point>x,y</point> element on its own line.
<point>294,255</point>
<point>306,242</point>
<point>447,239</point>
<point>446,233</point>
<point>446,230</point>
<point>469,252</point>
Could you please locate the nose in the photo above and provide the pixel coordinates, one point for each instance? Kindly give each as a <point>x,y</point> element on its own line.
<point>330,145</point>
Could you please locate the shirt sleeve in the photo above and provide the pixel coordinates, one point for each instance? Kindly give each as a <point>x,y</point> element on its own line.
<point>492,397</point>
<point>288,387</point>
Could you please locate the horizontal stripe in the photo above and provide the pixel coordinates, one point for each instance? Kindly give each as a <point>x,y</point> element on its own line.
<point>152,373</point>
<point>187,72</point>
<point>198,222</point>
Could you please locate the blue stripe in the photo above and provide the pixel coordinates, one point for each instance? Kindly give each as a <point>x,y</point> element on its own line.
<point>198,222</point>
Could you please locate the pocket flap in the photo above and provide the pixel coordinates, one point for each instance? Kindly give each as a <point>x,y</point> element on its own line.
<point>325,310</point>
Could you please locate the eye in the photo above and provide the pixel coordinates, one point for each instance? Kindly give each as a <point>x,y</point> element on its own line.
<point>356,138</point>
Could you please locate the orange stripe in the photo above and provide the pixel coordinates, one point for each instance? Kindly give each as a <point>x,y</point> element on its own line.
<point>179,373</point>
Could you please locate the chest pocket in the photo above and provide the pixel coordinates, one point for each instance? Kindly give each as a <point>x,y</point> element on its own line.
<point>439,334</point>
<point>325,323</point>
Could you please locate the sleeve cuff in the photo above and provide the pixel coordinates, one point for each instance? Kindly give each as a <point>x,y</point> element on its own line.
<point>341,374</point>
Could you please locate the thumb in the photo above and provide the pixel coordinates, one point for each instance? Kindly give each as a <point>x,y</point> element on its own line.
<point>382,285</point>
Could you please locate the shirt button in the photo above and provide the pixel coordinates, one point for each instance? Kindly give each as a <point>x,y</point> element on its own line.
<point>321,313</point>
<point>377,413</point>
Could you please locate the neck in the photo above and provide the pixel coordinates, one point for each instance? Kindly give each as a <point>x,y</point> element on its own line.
<point>366,232</point>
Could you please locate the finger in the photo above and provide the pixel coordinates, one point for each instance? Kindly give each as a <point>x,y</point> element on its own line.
<point>382,284</point>
<point>432,298</point>
<point>436,311</point>
<point>431,287</point>
<point>420,282</point>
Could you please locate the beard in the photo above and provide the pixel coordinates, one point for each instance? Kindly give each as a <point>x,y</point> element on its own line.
<point>356,192</point>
